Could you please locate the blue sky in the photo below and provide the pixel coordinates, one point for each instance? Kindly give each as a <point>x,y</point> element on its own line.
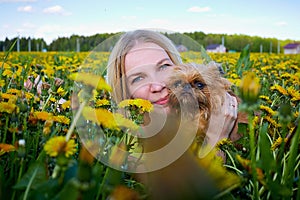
<point>51,19</point>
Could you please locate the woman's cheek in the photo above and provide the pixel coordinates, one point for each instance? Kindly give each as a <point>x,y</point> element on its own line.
<point>140,92</point>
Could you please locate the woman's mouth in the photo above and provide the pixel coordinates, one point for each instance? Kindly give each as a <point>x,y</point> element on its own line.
<point>162,101</point>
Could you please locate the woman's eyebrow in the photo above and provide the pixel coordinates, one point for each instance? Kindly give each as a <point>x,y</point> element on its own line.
<point>162,60</point>
<point>134,74</point>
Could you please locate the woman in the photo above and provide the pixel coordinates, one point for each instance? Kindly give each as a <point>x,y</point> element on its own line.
<point>138,67</point>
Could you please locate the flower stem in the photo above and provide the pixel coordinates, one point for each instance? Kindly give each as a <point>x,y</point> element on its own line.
<point>102,183</point>
<point>252,155</point>
<point>72,127</point>
<point>46,101</point>
<point>29,184</point>
<point>5,129</point>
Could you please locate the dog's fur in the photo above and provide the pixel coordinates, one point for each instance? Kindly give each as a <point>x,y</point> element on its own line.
<point>196,91</point>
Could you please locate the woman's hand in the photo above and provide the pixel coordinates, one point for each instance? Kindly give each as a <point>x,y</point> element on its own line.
<point>222,123</point>
<point>231,110</point>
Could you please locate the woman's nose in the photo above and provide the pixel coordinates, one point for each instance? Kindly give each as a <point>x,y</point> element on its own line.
<point>157,87</point>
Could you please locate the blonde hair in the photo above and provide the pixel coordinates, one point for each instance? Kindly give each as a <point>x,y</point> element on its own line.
<point>116,63</point>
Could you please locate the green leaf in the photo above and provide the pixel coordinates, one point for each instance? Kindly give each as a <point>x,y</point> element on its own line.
<point>244,63</point>
<point>291,164</point>
<point>45,191</point>
<point>69,192</point>
<point>37,169</point>
<point>267,161</point>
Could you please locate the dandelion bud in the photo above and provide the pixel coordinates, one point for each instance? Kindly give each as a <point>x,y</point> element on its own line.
<point>249,88</point>
<point>21,148</point>
<point>22,142</point>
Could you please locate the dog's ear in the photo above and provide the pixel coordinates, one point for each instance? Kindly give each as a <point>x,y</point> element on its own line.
<point>217,72</point>
<point>216,66</point>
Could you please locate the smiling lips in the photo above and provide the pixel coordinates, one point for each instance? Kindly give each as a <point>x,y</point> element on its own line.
<point>162,101</point>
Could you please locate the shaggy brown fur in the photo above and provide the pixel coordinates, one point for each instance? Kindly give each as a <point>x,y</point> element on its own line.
<point>196,91</point>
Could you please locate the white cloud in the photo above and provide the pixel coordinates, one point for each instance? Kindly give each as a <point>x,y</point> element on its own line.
<point>199,9</point>
<point>56,10</point>
<point>25,9</point>
<point>281,23</point>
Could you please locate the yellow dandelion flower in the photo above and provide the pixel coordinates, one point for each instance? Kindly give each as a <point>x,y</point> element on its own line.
<point>294,93</point>
<point>268,110</point>
<point>266,68</point>
<point>224,141</point>
<point>277,143</point>
<point>58,145</point>
<point>4,65</point>
<point>234,81</point>
<point>101,117</point>
<point>2,83</point>
<point>61,119</point>
<point>102,102</point>
<point>28,95</point>
<point>255,121</point>
<point>92,80</point>
<point>296,114</point>
<point>43,115</point>
<point>272,121</point>
<point>280,89</point>
<point>9,97</point>
<point>49,71</point>
<point>14,91</point>
<point>234,76</point>
<point>265,98</point>
<point>52,99</point>
<point>5,148</point>
<point>7,72</point>
<point>143,104</point>
<point>8,107</point>
<point>66,105</point>
<point>61,92</point>
<point>123,122</point>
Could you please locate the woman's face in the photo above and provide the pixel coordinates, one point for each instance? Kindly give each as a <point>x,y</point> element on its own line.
<point>147,68</point>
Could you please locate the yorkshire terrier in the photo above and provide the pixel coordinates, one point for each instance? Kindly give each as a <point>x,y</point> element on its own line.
<point>196,91</point>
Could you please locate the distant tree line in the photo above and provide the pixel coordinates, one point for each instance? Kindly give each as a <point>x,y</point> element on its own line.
<point>105,42</point>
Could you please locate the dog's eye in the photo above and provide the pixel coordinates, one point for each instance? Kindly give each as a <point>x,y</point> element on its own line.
<point>199,85</point>
<point>177,84</point>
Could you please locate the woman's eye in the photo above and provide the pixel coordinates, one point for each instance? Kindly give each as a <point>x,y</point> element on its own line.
<point>164,66</point>
<point>136,79</point>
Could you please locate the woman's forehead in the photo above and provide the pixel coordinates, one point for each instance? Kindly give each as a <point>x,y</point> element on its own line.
<point>144,54</point>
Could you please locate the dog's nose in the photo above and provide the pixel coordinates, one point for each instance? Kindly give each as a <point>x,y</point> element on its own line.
<point>187,87</point>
